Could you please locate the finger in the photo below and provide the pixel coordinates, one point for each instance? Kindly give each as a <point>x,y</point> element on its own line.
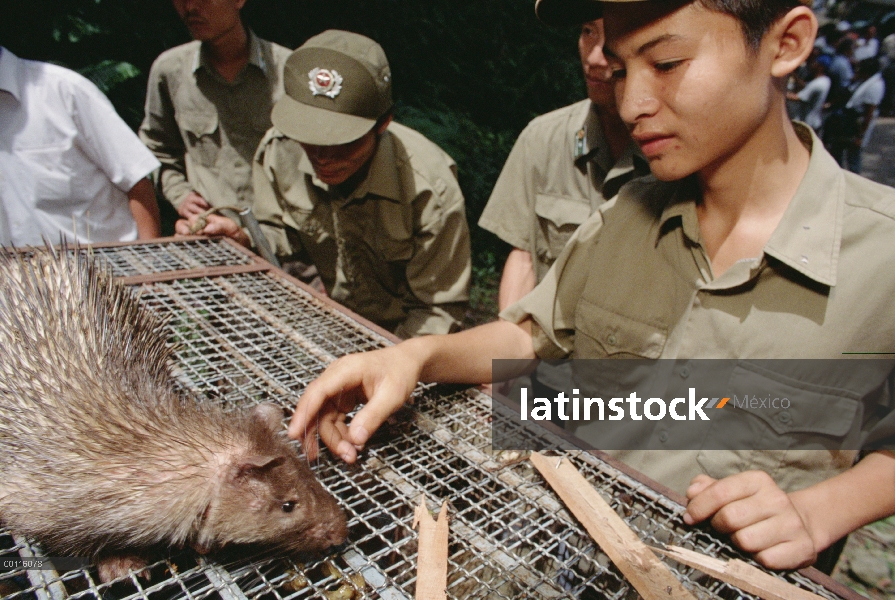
<point>755,509</point>
<point>328,386</point>
<point>309,443</point>
<point>720,493</point>
<point>794,554</point>
<point>190,209</point>
<point>766,533</point>
<point>182,227</point>
<point>334,434</point>
<point>388,397</point>
<point>698,485</point>
<point>218,225</point>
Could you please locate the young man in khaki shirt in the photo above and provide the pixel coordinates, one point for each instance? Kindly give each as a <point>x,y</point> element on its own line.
<point>374,205</point>
<point>208,105</point>
<point>563,166</point>
<point>753,244</point>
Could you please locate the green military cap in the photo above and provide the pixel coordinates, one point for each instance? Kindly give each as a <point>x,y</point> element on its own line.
<point>337,85</point>
<point>568,12</point>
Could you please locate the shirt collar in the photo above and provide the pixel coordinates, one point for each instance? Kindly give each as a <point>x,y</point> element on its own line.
<point>9,81</point>
<point>256,55</point>
<point>590,143</point>
<point>383,176</point>
<point>809,234</point>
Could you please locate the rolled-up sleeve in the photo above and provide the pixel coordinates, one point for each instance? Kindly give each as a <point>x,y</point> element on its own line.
<point>161,134</point>
<point>551,305</point>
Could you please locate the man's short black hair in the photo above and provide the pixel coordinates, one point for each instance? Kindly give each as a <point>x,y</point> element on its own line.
<point>755,16</point>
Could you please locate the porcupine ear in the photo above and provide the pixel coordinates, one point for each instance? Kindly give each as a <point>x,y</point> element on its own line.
<point>255,466</point>
<point>270,415</point>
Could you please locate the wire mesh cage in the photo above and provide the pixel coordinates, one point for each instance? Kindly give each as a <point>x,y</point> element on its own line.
<point>245,334</point>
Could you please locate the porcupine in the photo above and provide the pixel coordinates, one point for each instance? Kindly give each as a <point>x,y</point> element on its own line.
<point>101,455</point>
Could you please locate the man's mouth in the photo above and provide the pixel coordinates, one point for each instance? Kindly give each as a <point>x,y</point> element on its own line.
<point>652,144</point>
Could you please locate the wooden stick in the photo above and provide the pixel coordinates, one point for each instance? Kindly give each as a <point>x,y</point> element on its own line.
<point>649,575</point>
<point>741,574</point>
<point>431,567</point>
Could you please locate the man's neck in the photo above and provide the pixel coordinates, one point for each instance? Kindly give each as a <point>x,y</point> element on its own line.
<point>745,195</point>
<point>229,53</point>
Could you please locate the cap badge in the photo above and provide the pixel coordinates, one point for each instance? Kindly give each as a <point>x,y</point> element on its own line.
<point>324,82</point>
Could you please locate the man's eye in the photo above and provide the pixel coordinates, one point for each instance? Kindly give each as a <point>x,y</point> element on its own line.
<point>668,66</point>
<point>616,74</point>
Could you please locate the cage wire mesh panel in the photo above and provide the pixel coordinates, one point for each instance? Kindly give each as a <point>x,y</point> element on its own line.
<point>251,337</point>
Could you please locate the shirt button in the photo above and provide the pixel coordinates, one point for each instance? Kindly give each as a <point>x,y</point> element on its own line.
<point>663,437</point>
<point>784,417</point>
<point>685,372</point>
<point>611,339</point>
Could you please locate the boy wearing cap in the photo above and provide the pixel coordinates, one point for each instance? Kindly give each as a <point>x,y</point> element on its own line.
<point>563,166</point>
<point>374,205</point>
<point>753,243</point>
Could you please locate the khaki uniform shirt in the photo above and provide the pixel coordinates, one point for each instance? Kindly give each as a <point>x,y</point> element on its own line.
<point>635,281</point>
<point>205,129</point>
<point>559,171</point>
<point>396,250</point>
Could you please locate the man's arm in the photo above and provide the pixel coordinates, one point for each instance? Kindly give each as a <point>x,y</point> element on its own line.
<point>144,207</point>
<point>866,119</point>
<point>518,278</point>
<point>384,379</point>
<point>160,133</point>
<point>787,531</point>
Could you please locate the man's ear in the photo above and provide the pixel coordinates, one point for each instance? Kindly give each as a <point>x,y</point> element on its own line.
<point>792,37</point>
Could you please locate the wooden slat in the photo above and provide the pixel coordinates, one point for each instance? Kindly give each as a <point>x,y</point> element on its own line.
<point>431,567</point>
<point>741,574</point>
<point>195,273</point>
<point>649,575</point>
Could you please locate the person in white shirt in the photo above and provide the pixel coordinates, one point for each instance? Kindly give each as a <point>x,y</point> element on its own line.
<point>813,96</point>
<point>865,101</point>
<point>70,167</point>
<point>866,46</point>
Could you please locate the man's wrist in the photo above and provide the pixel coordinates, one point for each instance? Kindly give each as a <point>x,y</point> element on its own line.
<point>816,517</point>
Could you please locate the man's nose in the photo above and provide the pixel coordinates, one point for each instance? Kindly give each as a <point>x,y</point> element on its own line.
<point>635,99</point>
<point>596,58</point>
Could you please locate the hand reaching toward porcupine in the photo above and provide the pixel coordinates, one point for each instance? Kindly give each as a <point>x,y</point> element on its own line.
<point>136,464</point>
<point>383,380</point>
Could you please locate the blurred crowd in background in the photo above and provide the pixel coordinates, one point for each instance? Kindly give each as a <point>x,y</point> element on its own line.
<point>849,80</point>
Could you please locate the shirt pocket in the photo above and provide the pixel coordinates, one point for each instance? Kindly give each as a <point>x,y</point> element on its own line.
<point>202,136</point>
<point>558,218</point>
<point>602,333</point>
<point>52,175</point>
<point>793,430</point>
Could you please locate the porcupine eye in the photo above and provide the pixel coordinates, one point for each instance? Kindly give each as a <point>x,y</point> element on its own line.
<point>288,507</point>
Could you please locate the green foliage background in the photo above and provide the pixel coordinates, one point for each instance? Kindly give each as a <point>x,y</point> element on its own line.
<point>469,74</point>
